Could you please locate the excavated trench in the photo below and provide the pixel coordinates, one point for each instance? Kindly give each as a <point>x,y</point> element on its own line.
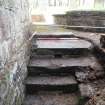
<point>64,69</point>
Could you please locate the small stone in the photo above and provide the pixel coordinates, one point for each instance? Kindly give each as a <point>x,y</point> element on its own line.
<point>86,90</point>
<point>82,76</point>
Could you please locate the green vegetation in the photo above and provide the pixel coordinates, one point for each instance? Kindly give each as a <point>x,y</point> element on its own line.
<point>82,100</point>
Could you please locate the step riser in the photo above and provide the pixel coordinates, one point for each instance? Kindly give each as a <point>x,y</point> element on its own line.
<point>50,74</point>
<point>62,52</point>
<point>33,71</point>
<point>32,89</point>
<point>55,35</point>
<point>33,55</point>
<point>43,70</point>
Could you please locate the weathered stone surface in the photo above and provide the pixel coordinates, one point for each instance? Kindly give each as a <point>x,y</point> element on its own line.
<point>86,90</point>
<point>66,62</point>
<point>91,89</point>
<point>51,80</point>
<point>60,19</point>
<point>82,76</point>
<point>89,74</point>
<point>51,83</point>
<point>86,18</point>
<point>62,43</point>
<point>14,21</point>
<point>51,98</point>
<point>102,41</point>
<point>97,99</point>
<point>93,21</point>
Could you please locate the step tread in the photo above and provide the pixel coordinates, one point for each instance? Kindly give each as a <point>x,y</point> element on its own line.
<point>51,80</point>
<point>65,62</point>
<point>49,98</point>
<point>54,34</point>
<point>61,43</point>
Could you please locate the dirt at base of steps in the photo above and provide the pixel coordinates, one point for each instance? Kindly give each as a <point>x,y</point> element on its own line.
<point>52,98</point>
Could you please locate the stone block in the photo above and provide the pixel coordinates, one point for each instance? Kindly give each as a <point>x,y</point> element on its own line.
<point>86,90</point>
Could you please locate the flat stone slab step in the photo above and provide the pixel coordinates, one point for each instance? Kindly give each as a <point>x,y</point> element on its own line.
<point>65,62</point>
<point>51,80</point>
<point>52,83</point>
<point>53,34</point>
<point>51,98</point>
<point>61,43</point>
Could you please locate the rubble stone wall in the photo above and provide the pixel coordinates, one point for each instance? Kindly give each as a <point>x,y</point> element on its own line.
<point>14,42</point>
<point>86,18</point>
<point>60,19</point>
<point>81,18</point>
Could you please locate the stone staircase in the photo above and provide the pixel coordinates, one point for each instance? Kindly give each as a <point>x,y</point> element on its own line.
<point>60,65</point>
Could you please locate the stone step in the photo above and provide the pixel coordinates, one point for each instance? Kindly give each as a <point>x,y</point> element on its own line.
<point>60,53</point>
<point>54,35</point>
<point>61,71</point>
<point>51,98</point>
<point>65,62</point>
<point>51,83</point>
<point>62,66</point>
<point>61,46</point>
